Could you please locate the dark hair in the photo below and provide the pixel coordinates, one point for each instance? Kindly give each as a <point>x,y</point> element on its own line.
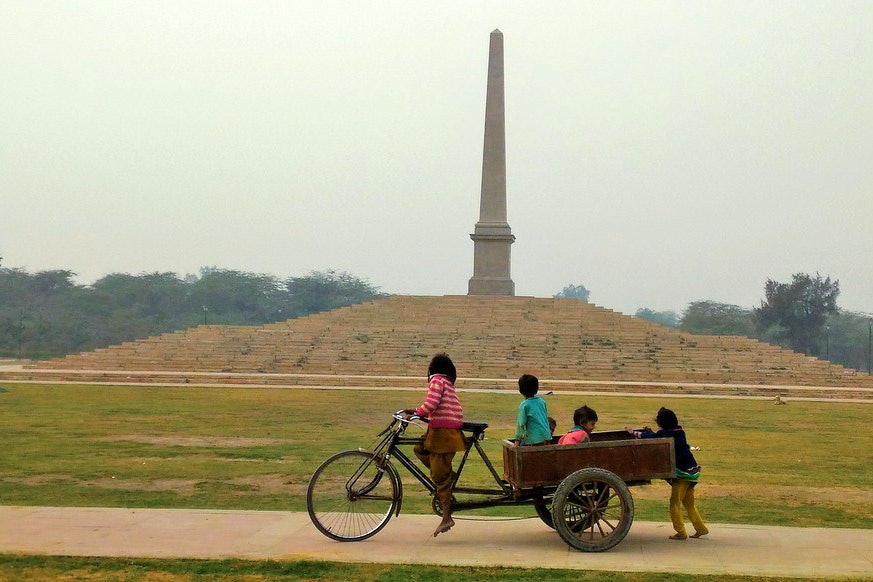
<point>528,385</point>
<point>583,414</point>
<point>442,364</point>
<point>552,424</point>
<point>667,419</point>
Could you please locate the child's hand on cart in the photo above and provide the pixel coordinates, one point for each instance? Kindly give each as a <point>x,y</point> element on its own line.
<point>637,432</point>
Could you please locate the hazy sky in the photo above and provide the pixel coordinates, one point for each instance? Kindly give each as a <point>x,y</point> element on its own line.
<point>657,152</point>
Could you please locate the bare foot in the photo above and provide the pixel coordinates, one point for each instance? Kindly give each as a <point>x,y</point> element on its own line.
<point>699,534</point>
<point>445,525</point>
<point>678,536</point>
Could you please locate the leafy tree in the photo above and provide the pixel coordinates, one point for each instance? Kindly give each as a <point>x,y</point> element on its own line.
<point>668,318</point>
<point>236,297</point>
<point>797,311</point>
<point>14,297</point>
<point>46,283</point>
<point>158,294</point>
<point>14,288</point>
<point>713,318</point>
<point>574,292</point>
<point>126,307</point>
<point>38,315</point>
<point>324,290</point>
<point>846,339</point>
<point>48,314</point>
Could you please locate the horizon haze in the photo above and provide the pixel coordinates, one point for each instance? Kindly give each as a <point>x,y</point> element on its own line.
<point>658,153</point>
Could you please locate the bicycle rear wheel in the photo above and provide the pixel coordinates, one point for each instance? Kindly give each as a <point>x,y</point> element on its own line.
<point>352,495</point>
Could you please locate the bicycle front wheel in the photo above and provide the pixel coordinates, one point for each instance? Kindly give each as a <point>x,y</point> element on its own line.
<point>352,495</point>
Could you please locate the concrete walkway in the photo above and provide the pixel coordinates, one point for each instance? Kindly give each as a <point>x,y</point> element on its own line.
<point>172,533</point>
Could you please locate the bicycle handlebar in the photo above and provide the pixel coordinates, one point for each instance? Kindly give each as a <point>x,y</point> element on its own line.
<point>402,416</point>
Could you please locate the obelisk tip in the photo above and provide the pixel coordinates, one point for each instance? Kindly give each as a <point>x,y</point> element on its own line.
<point>496,31</point>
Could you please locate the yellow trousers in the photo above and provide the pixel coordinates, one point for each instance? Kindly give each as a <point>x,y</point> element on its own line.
<point>440,465</point>
<point>436,451</point>
<point>682,494</point>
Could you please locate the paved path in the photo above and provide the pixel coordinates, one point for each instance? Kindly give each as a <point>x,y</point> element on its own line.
<point>170,533</point>
<point>13,372</point>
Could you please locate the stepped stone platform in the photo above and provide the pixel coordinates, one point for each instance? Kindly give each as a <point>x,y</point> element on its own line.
<point>569,344</point>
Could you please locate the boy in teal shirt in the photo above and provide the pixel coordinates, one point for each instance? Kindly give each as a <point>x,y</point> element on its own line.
<point>532,425</point>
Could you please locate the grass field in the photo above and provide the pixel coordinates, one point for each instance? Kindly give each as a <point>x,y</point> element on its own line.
<point>130,570</point>
<point>804,464</point>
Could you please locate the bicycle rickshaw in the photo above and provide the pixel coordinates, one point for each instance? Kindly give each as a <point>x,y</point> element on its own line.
<point>581,491</point>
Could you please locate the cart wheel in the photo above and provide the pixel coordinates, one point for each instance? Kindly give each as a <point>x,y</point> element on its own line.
<point>592,510</point>
<point>544,511</point>
<point>352,495</point>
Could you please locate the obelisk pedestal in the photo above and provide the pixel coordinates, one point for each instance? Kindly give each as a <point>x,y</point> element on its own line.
<point>492,236</point>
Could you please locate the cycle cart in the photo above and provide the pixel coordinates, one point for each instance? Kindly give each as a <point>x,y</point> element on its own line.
<point>581,491</point>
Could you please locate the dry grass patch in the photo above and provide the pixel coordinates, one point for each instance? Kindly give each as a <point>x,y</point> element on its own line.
<point>43,479</point>
<point>173,440</point>
<point>267,485</point>
<point>182,487</point>
<point>270,485</point>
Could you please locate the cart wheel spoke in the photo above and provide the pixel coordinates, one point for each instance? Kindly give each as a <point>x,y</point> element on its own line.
<point>607,523</point>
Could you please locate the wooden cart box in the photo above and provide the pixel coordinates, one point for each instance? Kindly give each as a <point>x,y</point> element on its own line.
<point>633,460</point>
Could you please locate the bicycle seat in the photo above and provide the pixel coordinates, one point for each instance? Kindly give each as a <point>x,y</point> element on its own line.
<point>475,426</point>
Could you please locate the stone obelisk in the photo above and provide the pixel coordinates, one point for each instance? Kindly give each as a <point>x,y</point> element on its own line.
<point>492,236</point>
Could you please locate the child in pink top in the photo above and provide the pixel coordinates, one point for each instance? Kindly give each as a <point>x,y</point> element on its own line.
<point>443,437</point>
<point>584,419</point>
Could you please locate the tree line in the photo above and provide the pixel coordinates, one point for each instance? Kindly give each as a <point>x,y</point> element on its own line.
<point>46,314</point>
<point>801,315</point>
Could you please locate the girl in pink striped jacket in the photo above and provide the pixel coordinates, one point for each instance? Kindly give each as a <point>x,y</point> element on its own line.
<point>443,437</point>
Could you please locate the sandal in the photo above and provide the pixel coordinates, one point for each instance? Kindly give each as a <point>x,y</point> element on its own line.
<point>678,537</point>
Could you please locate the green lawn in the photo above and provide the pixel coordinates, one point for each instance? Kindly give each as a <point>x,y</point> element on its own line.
<point>131,570</point>
<point>807,463</point>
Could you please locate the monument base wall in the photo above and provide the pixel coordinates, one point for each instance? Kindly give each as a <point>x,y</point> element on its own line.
<point>491,286</point>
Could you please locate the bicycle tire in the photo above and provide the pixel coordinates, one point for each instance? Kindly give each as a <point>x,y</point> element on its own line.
<point>352,495</point>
